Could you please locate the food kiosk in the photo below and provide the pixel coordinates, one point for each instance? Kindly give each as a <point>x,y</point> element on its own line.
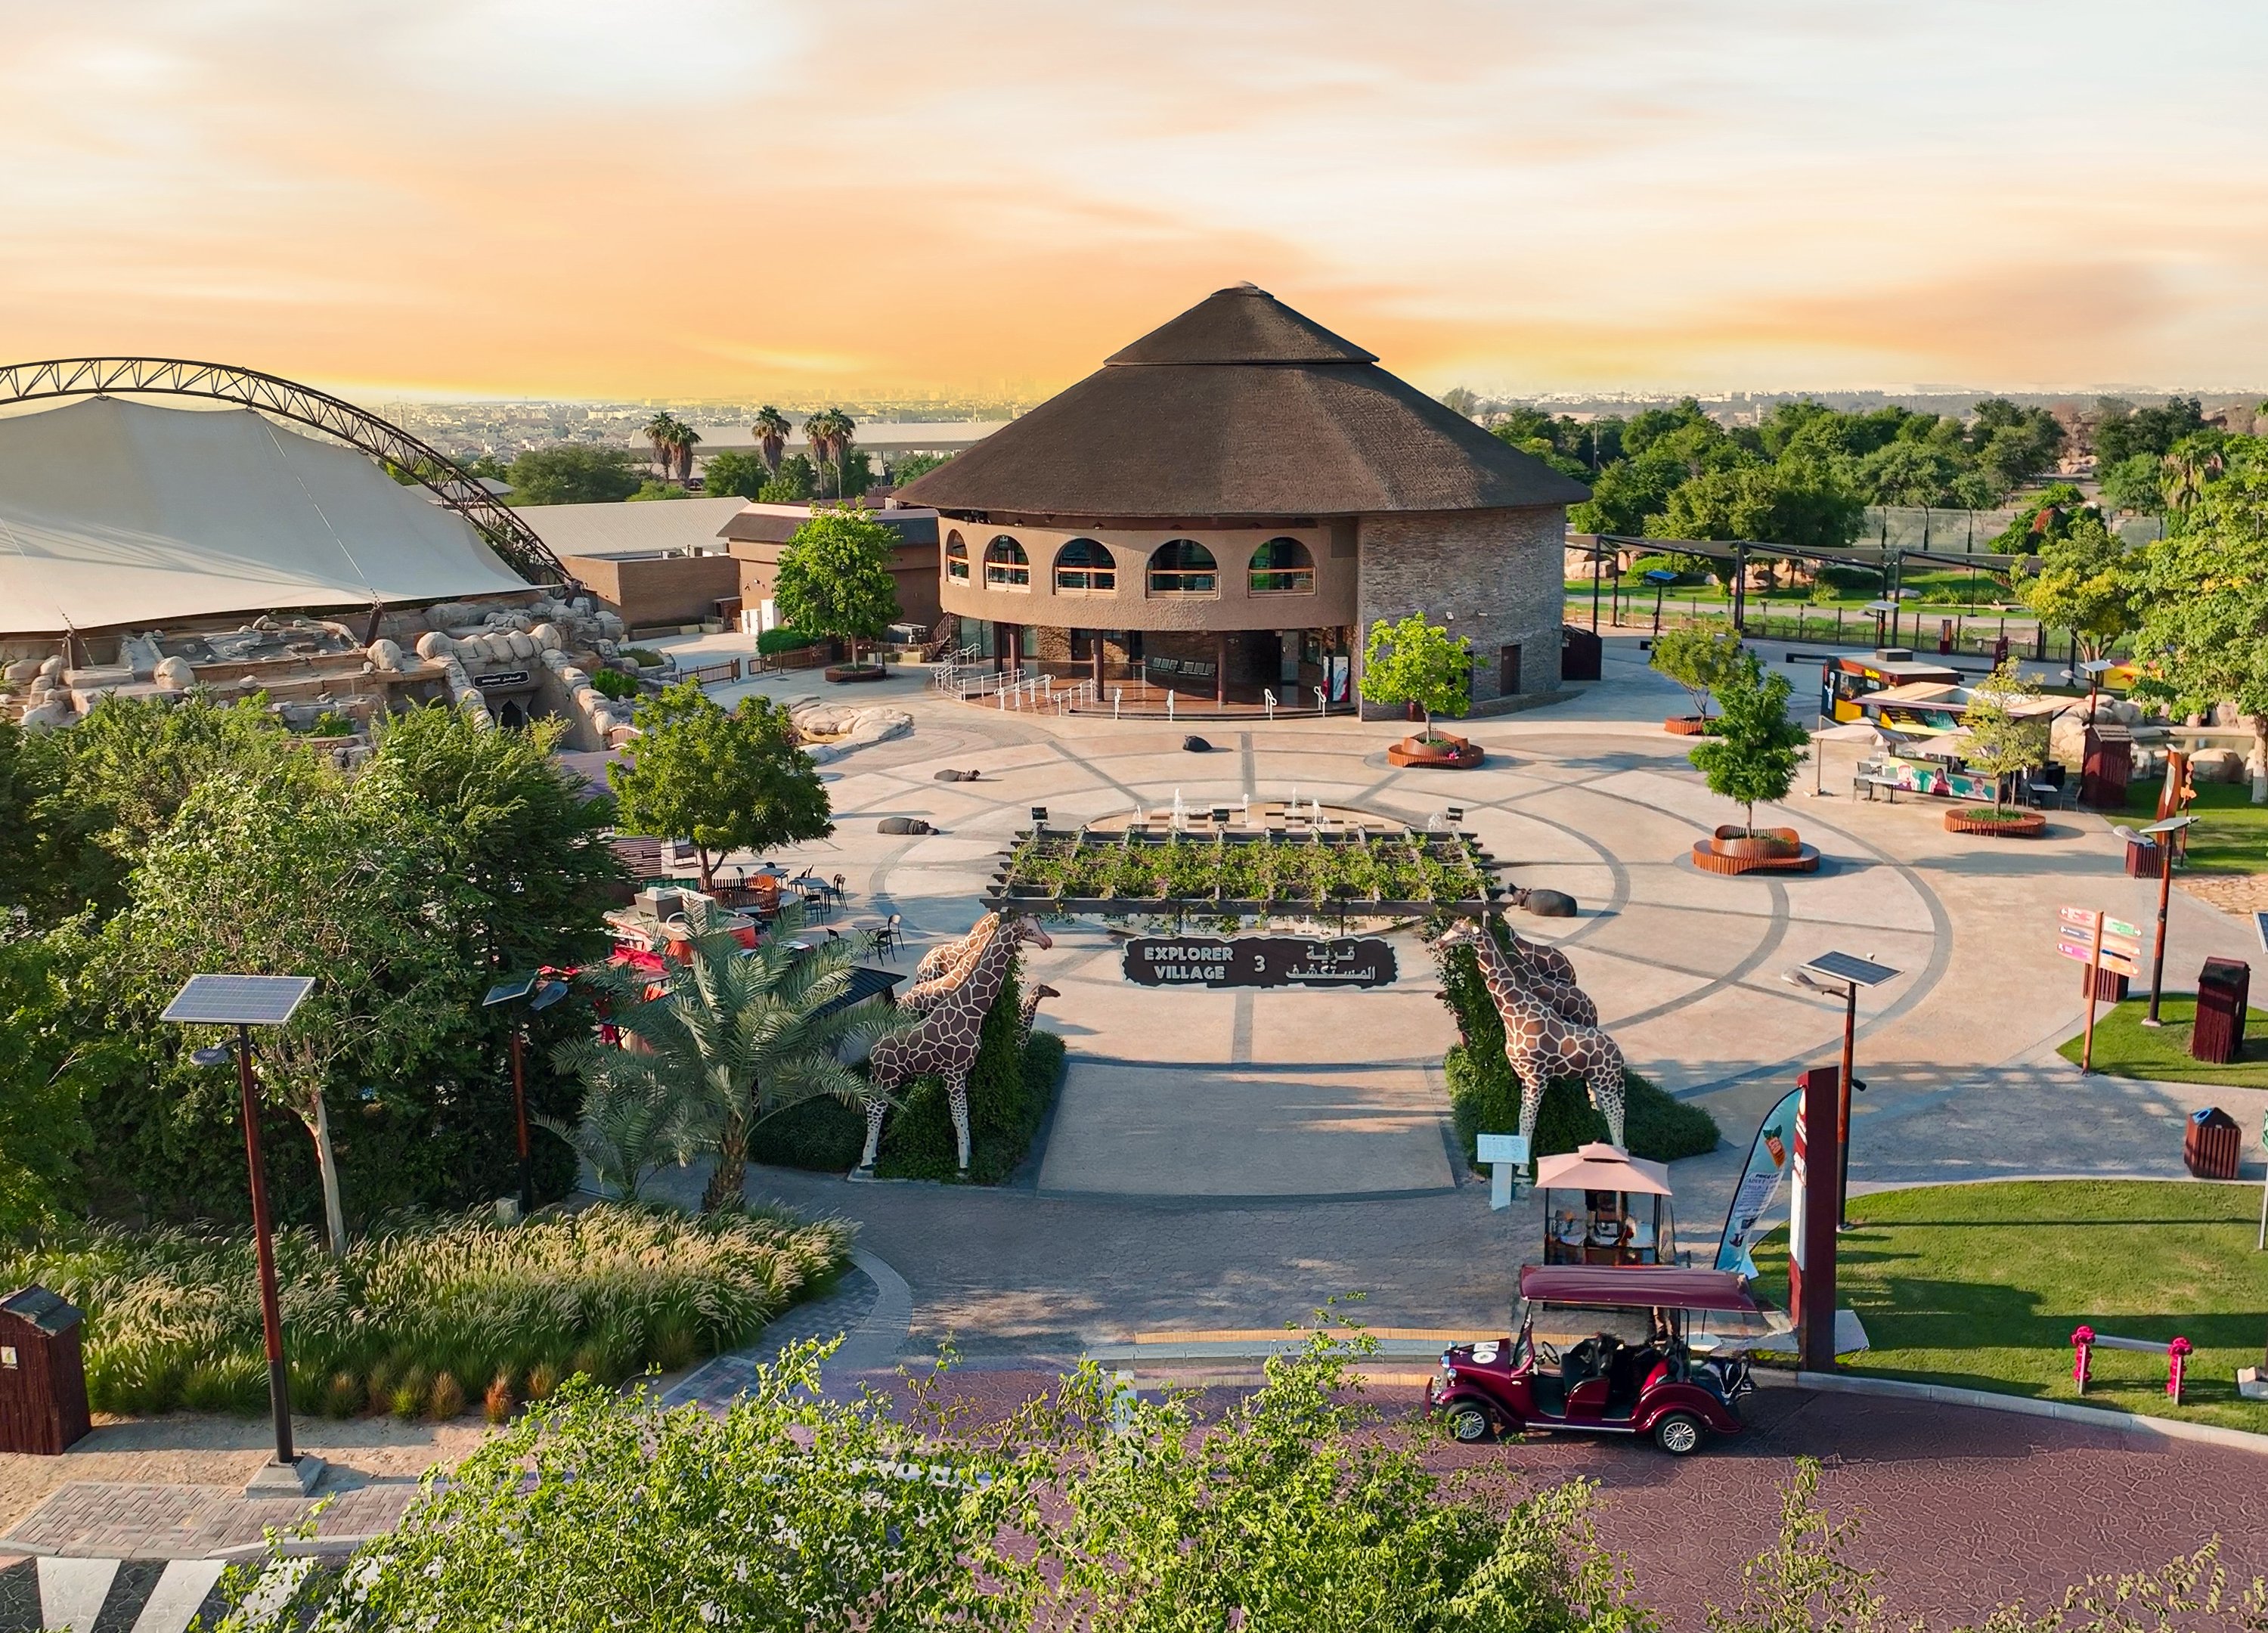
<point>1923,726</point>
<point>1845,682</point>
<point>1603,1206</point>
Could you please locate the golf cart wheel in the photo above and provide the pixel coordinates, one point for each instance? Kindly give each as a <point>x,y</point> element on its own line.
<point>1679,1434</point>
<point>1469,1425</point>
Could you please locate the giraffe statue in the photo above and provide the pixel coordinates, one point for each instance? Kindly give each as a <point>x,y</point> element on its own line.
<point>944,1039</point>
<point>1546,962</point>
<point>1539,1042</point>
<point>942,966</point>
<point>1028,1008</point>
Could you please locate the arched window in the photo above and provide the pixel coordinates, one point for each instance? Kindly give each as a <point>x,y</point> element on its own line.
<point>956,558</point>
<point>1083,567</point>
<point>1282,567</point>
<point>1184,567</point>
<point>1006,567</point>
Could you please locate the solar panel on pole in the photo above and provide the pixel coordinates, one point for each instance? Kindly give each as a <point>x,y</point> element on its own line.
<point>239,1000</point>
<point>1851,968</point>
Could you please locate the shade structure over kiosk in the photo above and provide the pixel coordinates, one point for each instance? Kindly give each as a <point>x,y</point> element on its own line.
<point>115,513</point>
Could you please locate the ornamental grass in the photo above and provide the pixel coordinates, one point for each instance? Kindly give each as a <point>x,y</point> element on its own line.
<point>407,1314</point>
<point>1185,867</point>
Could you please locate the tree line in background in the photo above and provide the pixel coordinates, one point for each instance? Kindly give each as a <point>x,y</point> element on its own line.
<point>1801,477</point>
<point>595,473</point>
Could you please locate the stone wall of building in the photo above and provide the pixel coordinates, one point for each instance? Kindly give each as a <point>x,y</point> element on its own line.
<point>1492,577</point>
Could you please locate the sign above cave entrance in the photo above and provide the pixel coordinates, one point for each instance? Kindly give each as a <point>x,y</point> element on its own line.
<point>1259,961</point>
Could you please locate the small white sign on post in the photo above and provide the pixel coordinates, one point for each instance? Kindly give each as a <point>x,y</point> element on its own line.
<point>1506,1155</point>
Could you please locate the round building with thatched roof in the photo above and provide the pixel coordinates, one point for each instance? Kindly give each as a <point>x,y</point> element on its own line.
<point>1226,506</point>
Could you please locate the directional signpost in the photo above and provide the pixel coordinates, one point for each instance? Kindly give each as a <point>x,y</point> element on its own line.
<point>2099,942</point>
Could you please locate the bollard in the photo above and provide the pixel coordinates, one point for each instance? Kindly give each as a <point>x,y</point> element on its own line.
<point>1321,707</point>
<point>1269,697</point>
<point>2082,1347</point>
<point>2176,1352</point>
<point>1169,703</point>
<point>1116,693</point>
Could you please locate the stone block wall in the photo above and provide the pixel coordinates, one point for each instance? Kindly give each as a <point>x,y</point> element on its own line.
<point>1492,577</point>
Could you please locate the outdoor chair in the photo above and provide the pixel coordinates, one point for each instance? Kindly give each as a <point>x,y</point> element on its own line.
<point>888,937</point>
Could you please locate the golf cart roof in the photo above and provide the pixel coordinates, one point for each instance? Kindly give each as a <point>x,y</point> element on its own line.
<point>1600,1166</point>
<point>1636,1286</point>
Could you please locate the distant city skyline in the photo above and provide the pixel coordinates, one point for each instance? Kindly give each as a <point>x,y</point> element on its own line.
<point>764,199</point>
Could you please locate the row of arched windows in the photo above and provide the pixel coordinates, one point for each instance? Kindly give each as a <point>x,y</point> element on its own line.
<point>1177,566</point>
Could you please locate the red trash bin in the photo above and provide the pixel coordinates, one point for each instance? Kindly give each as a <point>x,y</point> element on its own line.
<point>2224,990</point>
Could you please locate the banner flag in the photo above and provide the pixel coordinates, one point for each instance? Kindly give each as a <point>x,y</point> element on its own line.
<point>1749,1219</point>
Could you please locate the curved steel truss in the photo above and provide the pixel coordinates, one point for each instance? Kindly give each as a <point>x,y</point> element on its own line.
<point>510,537</point>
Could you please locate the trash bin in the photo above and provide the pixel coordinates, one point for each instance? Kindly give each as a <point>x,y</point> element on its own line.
<point>2145,860</point>
<point>2224,989</point>
<point>2209,1144</point>
<point>42,1376</point>
<point>1579,652</point>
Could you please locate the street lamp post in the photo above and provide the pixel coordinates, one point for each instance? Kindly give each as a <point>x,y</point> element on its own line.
<point>1841,975</point>
<point>539,992</point>
<point>2158,837</point>
<point>1661,580</point>
<point>245,1002</point>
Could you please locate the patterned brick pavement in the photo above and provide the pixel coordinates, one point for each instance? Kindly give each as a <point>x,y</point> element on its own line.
<point>716,1384</point>
<point>115,1519</point>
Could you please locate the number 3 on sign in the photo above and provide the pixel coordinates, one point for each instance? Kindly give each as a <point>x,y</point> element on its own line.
<point>1259,963</point>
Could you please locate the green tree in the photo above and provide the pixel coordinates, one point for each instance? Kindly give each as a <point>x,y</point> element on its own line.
<point>1416,662</point>
<point>733,1037</point>
<point>725,782</point>
<point>43,1077</point>
<point>913,467</point>
<point>2135,485</point>
<point>1624,494</point>
<point>1908,473</point>
<point>734,475</point>
<point>1698,659</point>
<point>1752,760</point>
<point>651,489</point>
<point>835,579</point>
<point>573,474</point>
<point>254,877</point>
<point>795,481</point>
<point>1997,741</point>
<point>2085,583</point>
<point>2203,631</point>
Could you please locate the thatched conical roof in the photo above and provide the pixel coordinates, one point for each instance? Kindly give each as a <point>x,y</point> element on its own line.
<point>1240,407</point>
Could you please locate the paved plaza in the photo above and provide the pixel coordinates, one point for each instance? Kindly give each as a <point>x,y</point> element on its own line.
<point>1221,1163</point>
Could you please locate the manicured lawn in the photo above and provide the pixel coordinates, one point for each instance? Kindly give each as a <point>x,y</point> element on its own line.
<point>2230,835</point>
<point>1981,1285</point>
<point>2124,1048</point>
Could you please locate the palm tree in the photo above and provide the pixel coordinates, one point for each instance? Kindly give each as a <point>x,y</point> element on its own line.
<point>683,448</point>
<point>661,430</point>
<point>733,1036</point>
<point>819,436</point>
<point>2192,463</point>
<point>771,431</point>
<point>842,431</point>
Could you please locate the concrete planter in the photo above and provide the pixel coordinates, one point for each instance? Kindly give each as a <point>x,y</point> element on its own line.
<point>1686,726</point>
<point>1447,753</point>
<point>2011,825</point>
<point>1767,851</point>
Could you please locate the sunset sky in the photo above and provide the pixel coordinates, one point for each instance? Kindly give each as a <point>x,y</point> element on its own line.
<point>740,198</point>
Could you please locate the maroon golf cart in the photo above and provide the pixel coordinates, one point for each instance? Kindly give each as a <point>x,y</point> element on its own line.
<point>1608,1350</point>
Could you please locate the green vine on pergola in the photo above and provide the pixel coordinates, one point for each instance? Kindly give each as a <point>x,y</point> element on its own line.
<point>1389,875</point>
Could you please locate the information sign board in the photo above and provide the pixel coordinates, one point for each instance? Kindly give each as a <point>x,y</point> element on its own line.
<point>1259,961</point>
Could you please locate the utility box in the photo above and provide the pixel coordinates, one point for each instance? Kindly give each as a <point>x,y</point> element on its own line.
<point>2210,1143</point>
<point>1580,654</point>
<point>2224,991</point>
<point>2145,860</point>
<point>42,1376</point>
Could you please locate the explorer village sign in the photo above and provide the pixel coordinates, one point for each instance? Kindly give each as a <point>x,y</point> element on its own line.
<point>1258,961</point>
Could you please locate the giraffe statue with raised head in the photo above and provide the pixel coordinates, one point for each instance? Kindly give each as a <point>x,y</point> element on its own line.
<point>942,957</point>
<point>944,1039</point>
<point>942,966</point>
<point>1028,1008</point>
<point>1543,961</point>
<point>1539,1043</point>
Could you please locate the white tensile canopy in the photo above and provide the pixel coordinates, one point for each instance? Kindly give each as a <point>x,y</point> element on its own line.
<point>114,513</point>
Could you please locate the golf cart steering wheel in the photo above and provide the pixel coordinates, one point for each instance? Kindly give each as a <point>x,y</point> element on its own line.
<point>1544,1352</point>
